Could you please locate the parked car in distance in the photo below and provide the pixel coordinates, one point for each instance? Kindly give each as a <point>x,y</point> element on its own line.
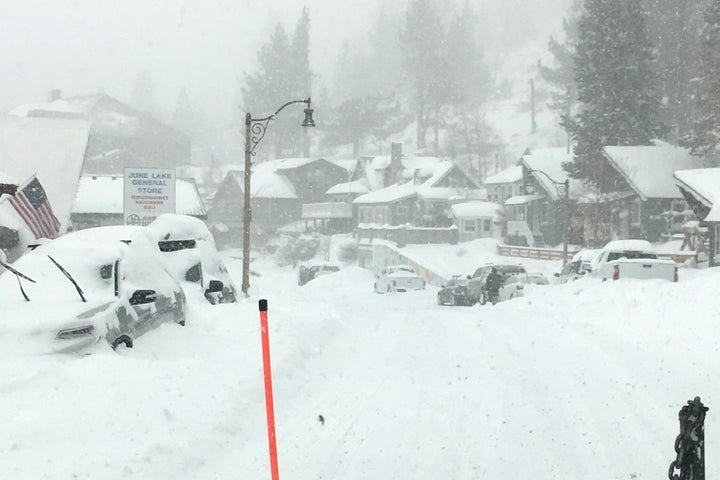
<point>398,278</point>
<point>454,292</point>
<point>632,259</point>
<point>189,251</point>
<point>305,274</point>
<point>513,287</point>
<point>537,279</point>
<point>476,285</point>
<point>579,266</point>
<point>67,295</point>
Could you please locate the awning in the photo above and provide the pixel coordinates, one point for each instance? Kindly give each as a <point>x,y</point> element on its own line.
<point>523,199</point>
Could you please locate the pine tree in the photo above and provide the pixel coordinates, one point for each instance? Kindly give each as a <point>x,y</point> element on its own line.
<point>615,78</point>
<point>706,128</point>
<point>561,76</point>
<point>674,27</point>
<point>283,75</point>
<point>143,94</point>
<point>421,40</point>
<point>183,117</point>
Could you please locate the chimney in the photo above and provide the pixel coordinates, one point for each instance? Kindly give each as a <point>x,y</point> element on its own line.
<point>396,167</point>
<point>54,94</point>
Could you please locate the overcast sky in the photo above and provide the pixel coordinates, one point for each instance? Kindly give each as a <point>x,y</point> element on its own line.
<point>87,46</point>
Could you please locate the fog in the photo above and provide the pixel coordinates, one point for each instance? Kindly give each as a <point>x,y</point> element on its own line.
<point>86,46</point>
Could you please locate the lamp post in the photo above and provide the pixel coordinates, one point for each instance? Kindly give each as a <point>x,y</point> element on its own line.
<point>255,129</point>
<point>562,188</point>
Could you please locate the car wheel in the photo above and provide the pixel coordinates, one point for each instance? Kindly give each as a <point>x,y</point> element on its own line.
<point>122,340</point>
<point>439,300</point>
<point>453,301</point>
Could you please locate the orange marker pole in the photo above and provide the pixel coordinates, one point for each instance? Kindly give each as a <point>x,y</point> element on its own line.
<point>268,389</point>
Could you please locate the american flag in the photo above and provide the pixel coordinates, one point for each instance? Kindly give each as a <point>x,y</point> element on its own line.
<point>31,203</point>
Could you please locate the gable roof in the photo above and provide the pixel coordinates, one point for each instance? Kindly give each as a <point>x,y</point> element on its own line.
<point>427,189</point>
<point>53,149</point>
<point>265,183</point>
<point>550,161</point>
<point>649,169</point>
<point>509,175</point>
<point>704,185</point>
<point>475,209</point>
<point>104,194</point>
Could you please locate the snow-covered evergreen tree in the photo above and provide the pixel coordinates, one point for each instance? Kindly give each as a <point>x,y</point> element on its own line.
<point>706,127</point>
<point>616,84</point>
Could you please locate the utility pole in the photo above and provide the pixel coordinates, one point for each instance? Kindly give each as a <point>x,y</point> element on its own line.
<point>532,106</point>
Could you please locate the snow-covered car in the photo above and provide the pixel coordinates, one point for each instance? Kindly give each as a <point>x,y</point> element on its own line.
<point>68,295</point>
<point>398,278</point>
<point>454,292</point>
<point>537,279</point>
<point>513,287</point>
<point>578,267</point>
<point>305,274</point>
<point>476,285</point>
<point>191,256</point>
<point>632,259</point>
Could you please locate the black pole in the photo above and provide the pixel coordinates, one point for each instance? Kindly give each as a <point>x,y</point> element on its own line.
<point>690,443</point>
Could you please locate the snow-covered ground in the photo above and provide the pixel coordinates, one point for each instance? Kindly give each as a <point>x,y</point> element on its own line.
<point>582,380</point>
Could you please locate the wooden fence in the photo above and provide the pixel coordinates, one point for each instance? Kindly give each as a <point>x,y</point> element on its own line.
<point>532,252</point>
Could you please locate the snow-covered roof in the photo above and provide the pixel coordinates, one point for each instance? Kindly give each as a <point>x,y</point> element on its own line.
<point>509,175</point>
<point>649,169</point>
<point>550,161</point>
<point>104,194</point>
<point>704,184</point>
<point>388,194</point>
<point>80,106</point>
<point>348,164</point>
<point>523,199</point>
<point>475,209</point>
<point>427,189</point>
<point>284,163</point>
<point>357,186</point>
<point>630,245</point>
<point>54,149</point>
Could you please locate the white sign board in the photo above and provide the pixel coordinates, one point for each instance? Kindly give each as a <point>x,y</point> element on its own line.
<point>148,193</point>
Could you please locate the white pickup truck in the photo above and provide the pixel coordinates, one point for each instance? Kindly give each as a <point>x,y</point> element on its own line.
<point>632,259</point>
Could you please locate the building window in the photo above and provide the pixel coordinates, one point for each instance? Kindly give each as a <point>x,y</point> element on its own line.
<point>402,210</point>
<point>487,225</point>
<point>469,226</point>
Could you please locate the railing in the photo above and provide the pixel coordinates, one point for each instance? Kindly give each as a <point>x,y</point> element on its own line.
<point>403,235</point>
<point>533,252</point>
<point>679,257</point>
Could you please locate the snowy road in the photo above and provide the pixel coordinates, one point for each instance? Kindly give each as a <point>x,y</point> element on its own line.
<point>575,381</point>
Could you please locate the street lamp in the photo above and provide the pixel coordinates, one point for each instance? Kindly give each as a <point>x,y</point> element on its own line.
<point>255,129</point>
<point>563,189</point>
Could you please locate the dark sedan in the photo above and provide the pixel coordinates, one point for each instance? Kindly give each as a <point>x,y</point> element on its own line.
<point>454,292</point>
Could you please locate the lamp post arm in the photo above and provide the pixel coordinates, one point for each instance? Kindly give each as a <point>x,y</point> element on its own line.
<point>307,101</point>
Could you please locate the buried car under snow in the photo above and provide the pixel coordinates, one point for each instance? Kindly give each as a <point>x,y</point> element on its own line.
<point>191,256</point>
<point>398,278</point>
<point>68,295</point>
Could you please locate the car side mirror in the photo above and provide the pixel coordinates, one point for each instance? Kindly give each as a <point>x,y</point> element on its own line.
<point>556,275</point>
<point>469,277</point>
<point>442,286</point>
<point>215,286</point>
<point>142,297</point>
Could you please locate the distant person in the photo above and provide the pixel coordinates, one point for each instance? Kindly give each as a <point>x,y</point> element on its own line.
<point>493,282</point>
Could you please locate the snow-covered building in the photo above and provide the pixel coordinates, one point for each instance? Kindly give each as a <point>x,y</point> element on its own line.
<point>120,136</point>
<point>99,201</point>
<point>422,201</point>
<point>477,219</point>
<point>701,189</point>
<point>279,190</point>
<point>51,148</point>
<point>642,200</point>
<point>505,184</point>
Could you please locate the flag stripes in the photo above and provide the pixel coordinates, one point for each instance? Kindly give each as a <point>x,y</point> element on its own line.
<point>31,203</point>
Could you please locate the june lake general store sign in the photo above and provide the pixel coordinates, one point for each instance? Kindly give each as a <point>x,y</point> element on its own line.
<point>148,192</point>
